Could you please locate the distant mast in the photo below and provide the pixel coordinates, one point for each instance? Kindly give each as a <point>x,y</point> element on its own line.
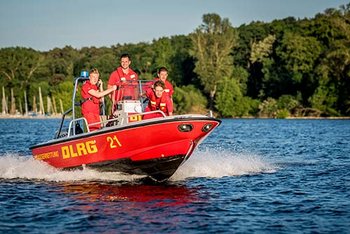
<point>61,105</point>
<point>25,104</point>
<point>49,105</point>
<point>4,102</point>
<point>20,106</point>
<point>41,103</point>
<point>13,104</point>
<point>54,105</point>
<point>34,106</point>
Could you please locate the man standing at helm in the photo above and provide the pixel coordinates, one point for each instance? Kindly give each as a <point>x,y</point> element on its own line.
<point>125,79</point>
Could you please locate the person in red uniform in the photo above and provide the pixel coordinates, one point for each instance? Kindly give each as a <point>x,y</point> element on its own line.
<point>158,100</point>
<point>162,75</point>
<point>125,79</point>
<point>92,96</point>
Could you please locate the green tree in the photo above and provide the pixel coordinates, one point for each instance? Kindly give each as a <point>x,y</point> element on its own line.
<point>188,99</point>
<point>332,86</point>
<point>213,42</point>
<point>262,49</point>
<point>19,65</point>
<point>287,105</point>
<point>298,56</point>
<point>142,56</point>
<point>163,52</point>
<point>268,108</point>
<point>229,100</point>
<point>227,91</point>
<point>255,31</point>
<point>324,99</point>
<point>64,93</point>
<point>260,64</point>
<point>62,61</point>
<point>101,58</point>
<point>181,63</point>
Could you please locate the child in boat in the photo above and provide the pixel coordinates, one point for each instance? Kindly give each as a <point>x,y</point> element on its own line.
<point>92,93</point>
<point>158,100</point>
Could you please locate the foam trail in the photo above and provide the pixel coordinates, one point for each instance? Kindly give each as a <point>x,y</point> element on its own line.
<point>216,164</point>
<point>209,163</point>
<point>20,167</point>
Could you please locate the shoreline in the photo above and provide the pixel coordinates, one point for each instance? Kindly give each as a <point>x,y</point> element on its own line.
<point>305,117</point>
<point>344,117</point>
<point>30,117</point>
<point>246,117</point>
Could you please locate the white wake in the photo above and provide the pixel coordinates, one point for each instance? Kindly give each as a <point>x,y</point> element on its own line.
<point>216,164</point>
<point>20,167</point>
<point>210,164</point>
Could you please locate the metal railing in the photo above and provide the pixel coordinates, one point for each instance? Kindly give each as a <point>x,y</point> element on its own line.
<point>119,120</point>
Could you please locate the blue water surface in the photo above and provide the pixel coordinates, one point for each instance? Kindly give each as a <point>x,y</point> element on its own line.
<point>248,176</point>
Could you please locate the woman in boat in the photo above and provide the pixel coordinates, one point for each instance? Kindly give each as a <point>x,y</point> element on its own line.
<point>92,93</point>
<point>158,100</point>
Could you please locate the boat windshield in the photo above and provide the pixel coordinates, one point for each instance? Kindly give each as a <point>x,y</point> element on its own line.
<point>133,90</point>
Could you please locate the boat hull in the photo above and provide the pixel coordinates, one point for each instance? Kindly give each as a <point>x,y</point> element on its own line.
<point>159,169</point>
<point>155,148</point>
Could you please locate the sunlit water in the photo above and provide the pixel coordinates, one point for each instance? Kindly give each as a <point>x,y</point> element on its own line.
<point>248,176</point>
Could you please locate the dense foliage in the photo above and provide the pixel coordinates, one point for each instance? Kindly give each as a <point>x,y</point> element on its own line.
<point>288,67</point>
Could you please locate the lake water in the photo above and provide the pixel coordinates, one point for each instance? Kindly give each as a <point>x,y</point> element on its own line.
<point>248,176</point>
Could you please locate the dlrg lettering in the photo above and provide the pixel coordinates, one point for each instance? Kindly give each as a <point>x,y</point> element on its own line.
<point>79,149</point>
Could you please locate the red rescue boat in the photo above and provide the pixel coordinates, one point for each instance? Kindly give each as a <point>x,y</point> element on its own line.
<point>126,143</point>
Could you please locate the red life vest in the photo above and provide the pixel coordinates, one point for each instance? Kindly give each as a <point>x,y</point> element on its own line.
<point>127,84</point>
<point>168,87</point>
<point>158,103</point>
<point>91,103</point>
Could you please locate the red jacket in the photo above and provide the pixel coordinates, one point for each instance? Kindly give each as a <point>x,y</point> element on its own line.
<point>168,87</point>
<point>127,84</point>
<point>163,103</point>
<point>169,90</point>
<point>91,104</point>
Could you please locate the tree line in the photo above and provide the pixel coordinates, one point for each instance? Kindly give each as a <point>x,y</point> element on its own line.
<point>287,67</point>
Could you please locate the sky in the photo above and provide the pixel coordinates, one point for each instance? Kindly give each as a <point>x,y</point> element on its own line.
<point>47,24</point>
